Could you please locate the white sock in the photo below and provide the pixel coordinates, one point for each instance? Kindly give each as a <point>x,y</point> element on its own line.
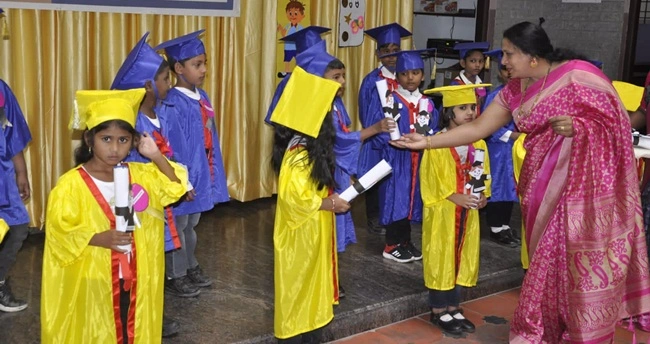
<point>447,317</point>
<point>459,316</point>
<point>496,229</point>
<point>505,227</point>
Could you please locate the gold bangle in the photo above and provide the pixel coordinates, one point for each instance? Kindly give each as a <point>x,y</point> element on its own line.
<point>428,142</point>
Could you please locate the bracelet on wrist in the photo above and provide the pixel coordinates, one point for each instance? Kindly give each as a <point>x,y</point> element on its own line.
<point>333,203</point>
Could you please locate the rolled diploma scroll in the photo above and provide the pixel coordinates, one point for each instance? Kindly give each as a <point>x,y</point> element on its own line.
<point>123,210</point>
<point>379,171</point>
<point>423,104</point>
<point>382,88</point>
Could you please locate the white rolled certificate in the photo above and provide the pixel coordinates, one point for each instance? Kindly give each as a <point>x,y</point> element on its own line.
<point>423,104</point>
<point>388,105</point>
<point>123,210</point>
<point>379,171</point>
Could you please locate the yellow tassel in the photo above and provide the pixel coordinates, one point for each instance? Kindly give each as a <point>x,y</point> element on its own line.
<point>434,69</point>
<point>5,27</point>
<point>487,62</point>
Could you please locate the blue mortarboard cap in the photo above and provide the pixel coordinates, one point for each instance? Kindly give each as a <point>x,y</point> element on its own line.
<point>306,37</point>
<point>315,59</point>
<point>140,65</point>
<point>496,55</point>
<point>391,33</point>
<point>409,59</point>
<point>2,11</point>
<point>184,47</point>
<point>464,48</point>
<point>597,63</point>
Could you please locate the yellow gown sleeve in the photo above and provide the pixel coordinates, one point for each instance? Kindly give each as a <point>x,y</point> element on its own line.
<point>162,190</point>
<point>297,193</point>
<point>435,175</point>
<point>4,228</point>
<point>66,224</point>
<point>518,155</point>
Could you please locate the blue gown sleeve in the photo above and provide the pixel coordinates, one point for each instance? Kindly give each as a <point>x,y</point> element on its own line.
<point>276,97</point>
<point>346,145</point>
<point>16,136</point>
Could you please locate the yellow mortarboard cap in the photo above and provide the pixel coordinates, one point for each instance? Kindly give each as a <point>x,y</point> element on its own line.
<point>631,95</point>
<point>4,228</point>
<point>457,94</point>
<point>305,102</point>
<point>93,107</point>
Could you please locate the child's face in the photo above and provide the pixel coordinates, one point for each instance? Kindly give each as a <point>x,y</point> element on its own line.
<point>337,75</point>
<point>473,63</point>
<point>463,114</point>
<point>504,75</point>
<point>390,61</point>
<point>111,145</point>
<point>295,16</point>
<point>410,79</point>
<point>163,83</point>
<point>194,70</point>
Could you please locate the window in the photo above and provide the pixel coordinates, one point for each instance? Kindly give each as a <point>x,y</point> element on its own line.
<point>644,13</point>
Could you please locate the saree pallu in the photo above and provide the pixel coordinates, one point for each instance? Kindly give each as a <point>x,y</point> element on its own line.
<point>581,209</point>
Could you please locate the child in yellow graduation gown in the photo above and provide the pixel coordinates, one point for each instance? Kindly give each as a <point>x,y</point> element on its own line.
<point>94,292</point>
<point>304,239</point>
<point>455,183</point>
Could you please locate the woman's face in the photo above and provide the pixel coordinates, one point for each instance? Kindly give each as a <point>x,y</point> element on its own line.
<point>516,61</point>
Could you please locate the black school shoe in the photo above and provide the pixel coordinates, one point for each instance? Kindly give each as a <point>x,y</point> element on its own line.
<point>465,324</point>
<point>513,236</point>
<point>8,302</point>
<point>447,323</point>
<point>341,292</point>
<point>502,238</point>
<point>198,278</point>
<point>417,254</point>
<point>181,287</point>
<point>170,327</point>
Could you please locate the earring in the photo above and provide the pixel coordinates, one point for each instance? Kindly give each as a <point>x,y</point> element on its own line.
<point>90,150</point>
<point>533,63</point>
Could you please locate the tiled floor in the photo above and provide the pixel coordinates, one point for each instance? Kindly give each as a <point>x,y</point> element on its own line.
<point>491,315</point>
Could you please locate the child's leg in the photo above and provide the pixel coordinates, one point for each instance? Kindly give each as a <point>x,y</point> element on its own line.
<point>496,219</point>
<point>10,246</point>
<point>190,240</point>
<point>438,302</point>
<point>176,265</point>
<point>454,311</point>
<point>176,261</point>
<point>194,271</point>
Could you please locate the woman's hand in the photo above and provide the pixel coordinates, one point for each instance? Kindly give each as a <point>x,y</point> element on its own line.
<point>189,196</point>
<point>111,239</point>
<point>465,201</point>
<point>412,141</point>
<point>147,147</point>
<point>335,204</point>
<point>562,125</point>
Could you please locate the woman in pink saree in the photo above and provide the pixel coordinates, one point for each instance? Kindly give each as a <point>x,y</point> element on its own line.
<point>580,194</point>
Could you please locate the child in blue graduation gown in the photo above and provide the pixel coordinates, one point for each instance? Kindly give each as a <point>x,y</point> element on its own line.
<point>186,56</point>
<point>14,189</point>
<point>473,61</point>
<point>399,200</point>
<point>388,38</point>
<point>504,188</point>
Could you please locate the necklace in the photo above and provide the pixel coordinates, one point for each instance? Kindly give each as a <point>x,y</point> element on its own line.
<point>524,113</point>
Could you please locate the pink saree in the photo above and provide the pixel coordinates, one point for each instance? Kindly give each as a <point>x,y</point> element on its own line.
<point>581,207</point>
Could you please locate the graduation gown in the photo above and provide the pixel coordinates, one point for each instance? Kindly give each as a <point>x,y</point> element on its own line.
<point>504,188</point>
<point>518,155</point>
<point>207,173</point>
<point>276,97</point>
<point>80,294</point>
<point>370,112</point>
<point>4,228</point>
<point>346,150</point>
<point>171,143</point>
<point>450,234</point>
<point>15,137</point>
<point>306,285</point>
<point>399,191</point>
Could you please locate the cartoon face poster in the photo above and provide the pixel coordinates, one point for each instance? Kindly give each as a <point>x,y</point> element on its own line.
<point>352,18</point>
<point>292,16</point>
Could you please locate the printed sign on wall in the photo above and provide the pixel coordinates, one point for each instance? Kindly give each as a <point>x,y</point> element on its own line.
<point>352,17</point>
